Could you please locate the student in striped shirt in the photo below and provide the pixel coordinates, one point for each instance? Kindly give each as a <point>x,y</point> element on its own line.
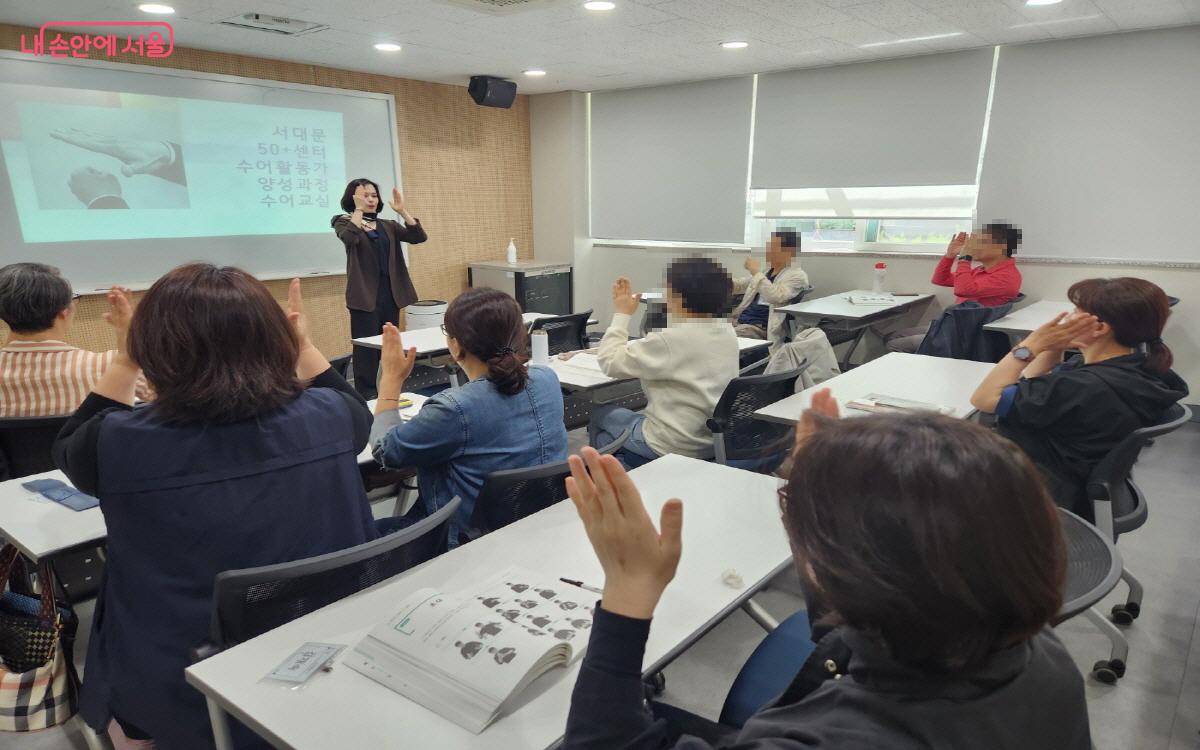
<point>40,374</point>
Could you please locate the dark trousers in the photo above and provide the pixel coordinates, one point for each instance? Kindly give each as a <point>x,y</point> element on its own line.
<point>363,324</point>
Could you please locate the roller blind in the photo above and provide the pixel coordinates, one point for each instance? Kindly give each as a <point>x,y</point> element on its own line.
<point>906,122</point>
<point>669,162</point>
<point>1093,147</point>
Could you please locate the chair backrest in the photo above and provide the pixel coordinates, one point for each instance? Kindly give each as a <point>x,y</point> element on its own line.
<point>341,365</point>
<point>25,444</point>
<point>1108,485</point>
<point>737,433</point>
<point>803,292</point>
<point>1093,566</point>
<point>509,495</point>
<point>252,601</point>
<point>566,333</point>
<point>958,333</point>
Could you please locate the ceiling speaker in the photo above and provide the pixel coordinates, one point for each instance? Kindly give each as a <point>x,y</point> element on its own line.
<point>488,91</point>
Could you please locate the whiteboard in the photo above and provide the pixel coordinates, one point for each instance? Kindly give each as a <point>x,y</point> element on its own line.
<point>117,173</point>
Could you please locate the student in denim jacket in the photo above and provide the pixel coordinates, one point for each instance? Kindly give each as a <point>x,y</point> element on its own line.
<point>509,416</point>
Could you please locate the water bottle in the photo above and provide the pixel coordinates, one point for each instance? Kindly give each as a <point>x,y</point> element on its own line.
<point>512,252</point>
<point>880,278</point>
<point>540,347</point>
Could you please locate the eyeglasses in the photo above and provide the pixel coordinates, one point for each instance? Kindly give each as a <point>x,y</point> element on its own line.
<point>444,331</point>
<point>75,296</point>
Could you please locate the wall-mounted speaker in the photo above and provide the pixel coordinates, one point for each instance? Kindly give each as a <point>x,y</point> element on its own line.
<point>489,91</point>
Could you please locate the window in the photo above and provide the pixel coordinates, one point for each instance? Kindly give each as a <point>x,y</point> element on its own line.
<point>915,231</point>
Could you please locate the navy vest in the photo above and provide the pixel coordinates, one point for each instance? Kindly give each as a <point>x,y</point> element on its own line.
<point>186,502</point>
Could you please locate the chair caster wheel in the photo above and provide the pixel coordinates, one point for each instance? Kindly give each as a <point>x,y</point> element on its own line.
<point>1102,672</point>
<point>1117,666</point>
<point>1121,615</point>
<point>656,684</point>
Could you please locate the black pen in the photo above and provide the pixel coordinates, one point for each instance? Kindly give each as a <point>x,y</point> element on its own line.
<point>582,585</point>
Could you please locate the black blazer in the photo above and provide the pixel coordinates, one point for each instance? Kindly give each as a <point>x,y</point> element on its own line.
<point>362,264</point>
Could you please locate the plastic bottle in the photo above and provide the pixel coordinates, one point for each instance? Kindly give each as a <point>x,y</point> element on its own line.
<point>512,252</point>
<point>880,278</point>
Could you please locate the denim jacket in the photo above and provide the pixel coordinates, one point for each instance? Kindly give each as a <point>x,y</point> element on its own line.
<point>463,434</point>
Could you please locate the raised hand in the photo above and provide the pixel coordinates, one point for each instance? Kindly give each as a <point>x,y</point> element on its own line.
<point>120,314</point>
<point>397,202</point>
<point>137,155</point>
<point>957,243</point>
<point>752,265</point>
<point>823,408</point>
<point>89,183</point>
<point>396,363</point>
<point>1063,332</point>
<point>624,300</point>
<point>296,315</point>
<point>638,560</point>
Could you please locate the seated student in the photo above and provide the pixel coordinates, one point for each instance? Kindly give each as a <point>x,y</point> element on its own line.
<point>980,267</point>
<point>755,316</point>
<point>930,595</point>
<point>40,375</point>
<point>246,457</point>
<point>1069,415</point>
<point>684,367</point>
<point>508,416</point>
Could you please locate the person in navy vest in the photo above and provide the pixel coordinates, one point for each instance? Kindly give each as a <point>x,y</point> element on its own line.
<point>247,457</point>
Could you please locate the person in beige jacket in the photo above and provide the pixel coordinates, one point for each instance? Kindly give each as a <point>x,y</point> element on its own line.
<point>755,316</point>
<point>684,367</point>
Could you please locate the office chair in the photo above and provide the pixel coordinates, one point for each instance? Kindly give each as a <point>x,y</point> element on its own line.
<point>1093,568</point>
<point>25,444</point>
<point>739,438</point>
<point>512,494</point>
<point>567,333</point>
<point>341,365</point>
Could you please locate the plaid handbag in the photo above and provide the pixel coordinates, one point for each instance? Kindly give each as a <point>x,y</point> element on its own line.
<point>38,684</point>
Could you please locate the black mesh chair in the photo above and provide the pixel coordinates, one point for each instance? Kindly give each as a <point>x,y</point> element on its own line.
<point>252,601</point>
<point>737,435</point>
<point>249,602</point>
<point>1119,505</point>
<point>510,495</point>
<point>790,325</point>
<point>25,445</point>
<point>1093,569</point>
<point>567,333</point>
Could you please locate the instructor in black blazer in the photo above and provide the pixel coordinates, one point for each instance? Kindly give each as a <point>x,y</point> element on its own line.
<point>377,281</point>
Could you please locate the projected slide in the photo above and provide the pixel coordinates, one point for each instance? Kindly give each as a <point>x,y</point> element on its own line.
<point>97,165</point>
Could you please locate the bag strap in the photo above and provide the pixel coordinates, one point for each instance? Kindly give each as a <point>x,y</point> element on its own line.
<point>49,612</point>
<point>8,558</point>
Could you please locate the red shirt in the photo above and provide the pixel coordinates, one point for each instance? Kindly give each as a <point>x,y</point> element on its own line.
<point>987,286</point>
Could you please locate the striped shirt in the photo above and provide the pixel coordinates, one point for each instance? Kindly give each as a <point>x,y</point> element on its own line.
<point>47,378</point>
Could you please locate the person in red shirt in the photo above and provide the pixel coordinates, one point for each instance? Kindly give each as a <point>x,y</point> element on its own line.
<point>980,268</point>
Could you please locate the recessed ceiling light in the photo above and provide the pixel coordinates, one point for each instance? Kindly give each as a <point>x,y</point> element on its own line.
<point>735,45</point>
<point>535,73</point>
<point>1042,2</point>
<point>156,8</point>
<point>599,5</point>
<point>387,47</point>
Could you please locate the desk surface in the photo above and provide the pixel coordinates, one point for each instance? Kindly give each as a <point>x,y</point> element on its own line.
<point>934,380</point>
<point>41,527</point>
<point>731,521</point>
<point>583,374</point>
<point>431,340</point>
<point>838,306</point>
<point>1030,317</point>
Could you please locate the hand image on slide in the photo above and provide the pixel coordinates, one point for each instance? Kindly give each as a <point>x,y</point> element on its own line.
<point>96,188</point>
<point>137,156</point>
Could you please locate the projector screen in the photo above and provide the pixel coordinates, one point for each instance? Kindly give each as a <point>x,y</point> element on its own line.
<point>116,173</point>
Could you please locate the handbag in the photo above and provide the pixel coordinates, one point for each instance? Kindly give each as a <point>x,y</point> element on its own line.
<point>39,687</point>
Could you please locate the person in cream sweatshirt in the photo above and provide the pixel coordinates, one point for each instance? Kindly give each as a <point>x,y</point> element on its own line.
<point>683,368</point>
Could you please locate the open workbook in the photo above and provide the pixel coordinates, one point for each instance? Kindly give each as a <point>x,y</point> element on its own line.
<point>467,655</point>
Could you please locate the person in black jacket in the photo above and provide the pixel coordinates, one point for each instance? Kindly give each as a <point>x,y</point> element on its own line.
<point>378,285</point>
<point>248,456</point>
<point>931,592</point>
<point>1069,415</point>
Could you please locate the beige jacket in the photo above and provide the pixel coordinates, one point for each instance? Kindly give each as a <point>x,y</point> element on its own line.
<point>787,284</point>
<point>684,369</point>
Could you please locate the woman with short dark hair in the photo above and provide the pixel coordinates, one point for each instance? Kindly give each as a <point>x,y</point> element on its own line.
<point>378,285</point>
<point>248,457</point>
<point>1068,415</point>
<point>508,416</point>
<point>932,561</point>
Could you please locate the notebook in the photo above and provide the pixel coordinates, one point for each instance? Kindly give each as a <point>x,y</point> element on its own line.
<point>467,655</point>
<point>875,402</point>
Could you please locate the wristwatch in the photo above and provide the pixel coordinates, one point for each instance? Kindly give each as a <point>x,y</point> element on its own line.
<point>967,258</point>
<point>1023,353</point>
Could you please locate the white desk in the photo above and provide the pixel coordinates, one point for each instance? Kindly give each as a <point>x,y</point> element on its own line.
<point>1031,316</point>
<point>839,307</point>
<point>431,341</point>
<point>934,380</point>
<point>40,527</point>
<point>731,520</point>
<point>581,372</point>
